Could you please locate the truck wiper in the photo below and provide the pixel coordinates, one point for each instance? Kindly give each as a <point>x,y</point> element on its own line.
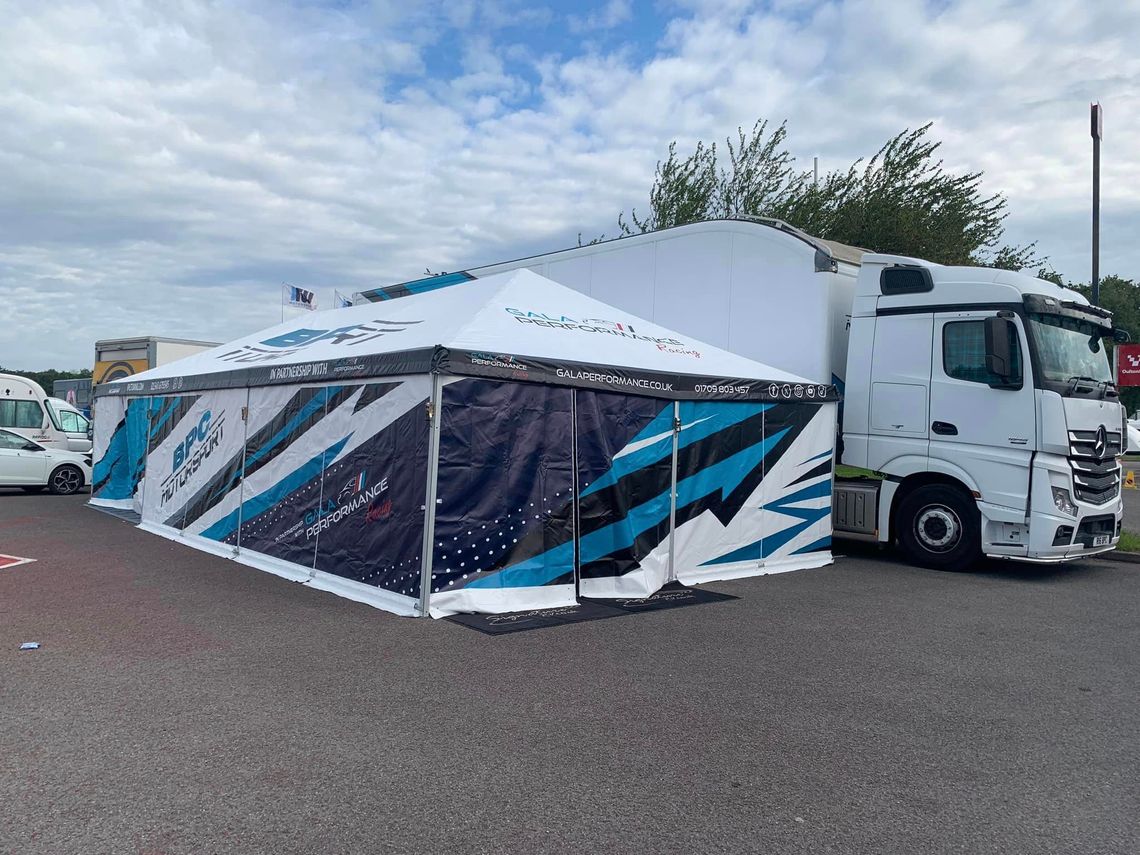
<point>1103,385</point>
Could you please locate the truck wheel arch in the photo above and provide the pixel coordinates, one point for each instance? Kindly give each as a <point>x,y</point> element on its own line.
<point>910,483</point>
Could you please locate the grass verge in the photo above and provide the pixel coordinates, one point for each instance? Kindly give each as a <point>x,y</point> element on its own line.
<point>1129,542</point>
<point>842,471</point>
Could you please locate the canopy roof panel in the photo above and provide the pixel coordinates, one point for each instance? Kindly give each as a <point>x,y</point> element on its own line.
<point>515,325</point>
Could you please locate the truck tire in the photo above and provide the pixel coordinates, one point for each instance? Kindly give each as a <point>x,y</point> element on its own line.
<point>939,527</point>
<point>65,480</point>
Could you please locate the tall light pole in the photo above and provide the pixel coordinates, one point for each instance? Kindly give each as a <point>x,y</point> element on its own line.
<point>1096,121</point>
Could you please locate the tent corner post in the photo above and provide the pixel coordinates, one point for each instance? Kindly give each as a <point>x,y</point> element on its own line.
<point>433,416</point>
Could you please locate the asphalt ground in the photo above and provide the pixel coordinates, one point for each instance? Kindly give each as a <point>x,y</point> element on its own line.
<point>183,703</point>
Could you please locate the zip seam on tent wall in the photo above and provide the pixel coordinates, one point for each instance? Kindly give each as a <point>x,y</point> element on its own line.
<point>436,416</point>
<point>673,492</point>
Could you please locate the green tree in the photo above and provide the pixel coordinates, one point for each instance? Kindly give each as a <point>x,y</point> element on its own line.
<point>901,201</point>
<point>48,377</point>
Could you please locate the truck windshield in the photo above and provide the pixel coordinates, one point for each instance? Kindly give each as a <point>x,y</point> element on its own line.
<point>1069,347</point>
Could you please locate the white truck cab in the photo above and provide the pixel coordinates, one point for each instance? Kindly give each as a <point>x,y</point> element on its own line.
<point>985,399</point>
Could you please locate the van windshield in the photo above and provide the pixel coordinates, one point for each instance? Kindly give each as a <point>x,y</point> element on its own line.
<point>67,419</point>
<point>1069,347</point>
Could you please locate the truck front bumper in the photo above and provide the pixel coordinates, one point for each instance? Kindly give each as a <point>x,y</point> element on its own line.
<point>1058,536</point>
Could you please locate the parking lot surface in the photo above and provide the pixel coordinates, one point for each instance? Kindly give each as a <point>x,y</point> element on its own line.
<point>184,703</point>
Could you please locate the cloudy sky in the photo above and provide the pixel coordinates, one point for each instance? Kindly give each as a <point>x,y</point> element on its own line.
<point>166,164</point>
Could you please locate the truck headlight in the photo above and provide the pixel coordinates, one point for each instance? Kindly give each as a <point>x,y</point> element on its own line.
<point>1064,501</point>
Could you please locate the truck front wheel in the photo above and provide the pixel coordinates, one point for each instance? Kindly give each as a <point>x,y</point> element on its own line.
<point>939,527</point>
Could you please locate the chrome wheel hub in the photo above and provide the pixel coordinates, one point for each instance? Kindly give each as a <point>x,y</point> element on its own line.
<point>938,528</point>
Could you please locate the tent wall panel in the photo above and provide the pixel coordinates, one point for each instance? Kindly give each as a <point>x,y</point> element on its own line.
<point>765,513</point>
<point>624,457</point>
<point>191,439</point>
<point>720,466</point>
<point>285,453</point>
<point>796,496</point>
<point>111,482</point>
<point>369,525</point>
<point>504,518</point>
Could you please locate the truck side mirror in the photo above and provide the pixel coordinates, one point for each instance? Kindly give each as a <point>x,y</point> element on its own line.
<point>1000,341</point>
<point>1121,336</point>
<point>997,347</point>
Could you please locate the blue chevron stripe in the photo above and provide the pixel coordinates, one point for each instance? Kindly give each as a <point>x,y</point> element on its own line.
<point>317,402</point>
<point>819,545</point>
<point>770,544</point>
<point>727,474</point>
<point>262,502</point>
<point>544,568</point>
<point>702,419</point>
<point>621,466</point>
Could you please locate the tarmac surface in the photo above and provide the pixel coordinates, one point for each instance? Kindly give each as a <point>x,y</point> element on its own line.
<point>184,703</point>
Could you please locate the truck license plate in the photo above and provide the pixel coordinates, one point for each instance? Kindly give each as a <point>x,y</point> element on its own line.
<point>1100,540</point>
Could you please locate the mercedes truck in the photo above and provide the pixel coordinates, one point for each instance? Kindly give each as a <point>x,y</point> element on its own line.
<point>979,414</point>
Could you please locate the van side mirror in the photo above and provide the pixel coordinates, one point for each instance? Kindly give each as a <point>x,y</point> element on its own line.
<point>1121,336</point>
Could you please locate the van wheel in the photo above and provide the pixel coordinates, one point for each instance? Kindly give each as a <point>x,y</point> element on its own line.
<point>65,480</point>
<point>939,527</point>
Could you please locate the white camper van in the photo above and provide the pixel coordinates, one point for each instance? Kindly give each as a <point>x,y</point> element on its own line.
<point>27,410</point>
<point>981,400</point>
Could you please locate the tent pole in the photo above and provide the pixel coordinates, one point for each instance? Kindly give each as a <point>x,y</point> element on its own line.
<point>146,455</point>
<point>577,559</point>
<point>673,492</point>
<point>241,483</point>
<point>324,390</point>
<point>433,415</point>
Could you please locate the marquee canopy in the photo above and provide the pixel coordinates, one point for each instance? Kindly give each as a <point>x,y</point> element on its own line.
<point>516,325</point>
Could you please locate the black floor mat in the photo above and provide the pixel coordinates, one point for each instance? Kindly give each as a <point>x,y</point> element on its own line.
<point>672,596</point>
<point>538,618</point>
<point>125,515</point>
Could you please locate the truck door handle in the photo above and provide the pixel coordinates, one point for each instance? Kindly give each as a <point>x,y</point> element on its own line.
<point>944,428</point>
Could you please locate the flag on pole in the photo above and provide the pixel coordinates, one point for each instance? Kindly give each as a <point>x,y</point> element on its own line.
<point>301,297</point>
<point>340,301</point>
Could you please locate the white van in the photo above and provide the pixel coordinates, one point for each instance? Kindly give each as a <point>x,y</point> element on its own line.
<point>71,422</point>
<point>27,410</point>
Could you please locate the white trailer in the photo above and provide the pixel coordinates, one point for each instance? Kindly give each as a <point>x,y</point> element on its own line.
<point>981,399</point>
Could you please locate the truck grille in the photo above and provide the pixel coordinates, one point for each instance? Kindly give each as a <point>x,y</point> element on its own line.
<point>1095,481</point>
<point>1083,444</point>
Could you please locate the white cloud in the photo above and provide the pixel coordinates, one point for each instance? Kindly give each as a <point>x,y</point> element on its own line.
<point>615,12</point>
<point>166,167</point>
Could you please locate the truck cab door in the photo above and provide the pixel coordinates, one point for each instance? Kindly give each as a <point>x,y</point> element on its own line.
<point>981,422</point>
<point>898,415</point>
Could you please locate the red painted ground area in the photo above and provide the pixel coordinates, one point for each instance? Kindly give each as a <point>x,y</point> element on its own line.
<point>13,560</point>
